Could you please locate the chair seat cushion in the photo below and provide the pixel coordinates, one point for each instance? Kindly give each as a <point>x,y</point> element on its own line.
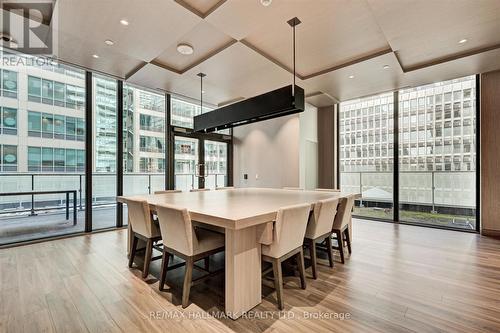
<point>208,240</point>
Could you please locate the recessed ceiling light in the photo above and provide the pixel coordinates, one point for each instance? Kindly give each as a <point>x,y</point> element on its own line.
<point>95,56</point>
<point>351,76</point>
<point>109,42</point>
<point>185,49</point>
<point>386,67</point>
<point>266,2</point>
<point>462,41</point>
<point>203,91</point>
<point>124,22</point>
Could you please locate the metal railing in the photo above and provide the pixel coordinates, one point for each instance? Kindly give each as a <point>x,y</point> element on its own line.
<point>104,188</point>
<point>453,189</point>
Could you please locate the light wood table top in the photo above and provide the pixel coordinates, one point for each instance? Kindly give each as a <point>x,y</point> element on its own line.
<point>235,208</point>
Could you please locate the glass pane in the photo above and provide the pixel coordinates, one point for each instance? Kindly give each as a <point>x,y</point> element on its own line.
<point>366,153</point>
<point>215,164</point>
<point>34,163</point>
<point>143,142</point>
<point>186,163</point>
<point>104,179</point>
<point>437,158</point>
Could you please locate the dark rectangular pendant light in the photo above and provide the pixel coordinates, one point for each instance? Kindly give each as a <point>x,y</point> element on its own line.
<point>276,103</point>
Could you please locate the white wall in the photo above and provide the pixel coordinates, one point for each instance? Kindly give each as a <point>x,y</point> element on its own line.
<point>308,154</point>
<point>273,152</point>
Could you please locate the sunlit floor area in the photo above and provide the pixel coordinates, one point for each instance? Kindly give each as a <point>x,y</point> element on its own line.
<point>400,278</point>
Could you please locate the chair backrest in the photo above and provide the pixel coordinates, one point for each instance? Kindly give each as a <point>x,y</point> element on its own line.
<point>176,228</point>
<point>199,189</point>
<point>293,188</point>
<point>289,229</point>
<point>327,190</point>
<point>168,191</point>
<point>140,218</point>
<point>344,212</point>
<point>321,220</point>
<point>224,188</point>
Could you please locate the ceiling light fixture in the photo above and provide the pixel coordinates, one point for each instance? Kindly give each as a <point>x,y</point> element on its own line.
<point>185,49</point>
<point>109,42</point>
<point>386,67</point>
<point>266,3</point>
<point>351,76</point>
<point>124,22</point>
<point>95,56</point>
<point>462,41</point>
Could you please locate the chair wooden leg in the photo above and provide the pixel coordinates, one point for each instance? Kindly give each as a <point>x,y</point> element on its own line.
<point>132,251</point>
<point>312,250</point>
<point>207,263</point>
<point>348,240</point>
<point>329,249</point>
<point>164,267</point>
<point>278,282</point>
<point>302,269</point>
<point>147,258</point>
<point>340,242</point>
<point>187,282</point>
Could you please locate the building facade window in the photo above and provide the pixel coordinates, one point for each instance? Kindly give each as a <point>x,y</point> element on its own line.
<point>50,159</point>
<point>8,121</point>
<point>56,93</point>
<point>9,83</point>
<point>8,158</point>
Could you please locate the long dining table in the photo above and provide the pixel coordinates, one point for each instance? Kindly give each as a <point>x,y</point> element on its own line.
<point>247,215</point>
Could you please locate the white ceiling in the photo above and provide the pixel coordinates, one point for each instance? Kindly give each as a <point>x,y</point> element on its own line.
<point>246,48</point>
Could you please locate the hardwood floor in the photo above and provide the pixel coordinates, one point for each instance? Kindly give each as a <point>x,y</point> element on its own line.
<point>399,279</point>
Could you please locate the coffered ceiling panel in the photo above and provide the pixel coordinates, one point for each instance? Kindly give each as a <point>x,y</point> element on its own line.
<point>202,8</point>
<point>205,39</point>
<point>422,32</point>
<point>153,26</point>
<point>359,79</point>
<point>332,33</point>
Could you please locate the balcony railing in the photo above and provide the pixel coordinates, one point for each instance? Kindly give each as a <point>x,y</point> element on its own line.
<point>104,188</point>
<point>453,189</point>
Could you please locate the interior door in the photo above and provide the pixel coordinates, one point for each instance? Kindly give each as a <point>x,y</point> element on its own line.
<point>188,169</point>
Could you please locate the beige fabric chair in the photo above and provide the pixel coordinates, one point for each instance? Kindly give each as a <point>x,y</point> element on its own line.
<point>142,227</point>
<point>168,191</point>
<point>288,236</point>
<point>180,238</point>
<point>225,188</point>
<point>319,229</point>
<point>327,190</point>
<point>341,225</point>
<point>293,188</point>
<point>199,190</point>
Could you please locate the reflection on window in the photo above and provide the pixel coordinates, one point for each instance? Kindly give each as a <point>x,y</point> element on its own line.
<point>8,158</point>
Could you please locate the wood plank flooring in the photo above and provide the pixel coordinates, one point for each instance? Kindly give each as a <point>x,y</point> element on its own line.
<point>399,279</point>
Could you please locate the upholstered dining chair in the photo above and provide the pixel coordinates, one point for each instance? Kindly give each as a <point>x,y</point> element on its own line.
<point>341,225</point>
<point>168,191</point>
<point>191,244</point>
<point>327,189</point>
<point>225,188</point>
<point>144,228</point>
<point>199,190</point>
<point>288,237</point>
<point>319,229</point>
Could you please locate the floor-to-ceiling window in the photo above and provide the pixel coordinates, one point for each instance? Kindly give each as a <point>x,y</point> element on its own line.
<point>144,144</point>
<point>436,132</point>
<point>42,148</point>
<point>437,154</point>
<point>105,128</point>
<point>367,153</point>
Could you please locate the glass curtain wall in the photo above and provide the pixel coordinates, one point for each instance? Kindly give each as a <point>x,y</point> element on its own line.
<point>42,148</point>
<point>437,154</point>
<point>367,153</point>
<point>104,149</point>
<point>215,164</point>
<point>186,164</point>
<point>144,144</point>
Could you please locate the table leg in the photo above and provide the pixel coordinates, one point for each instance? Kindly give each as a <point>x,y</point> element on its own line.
<point>243,271</point>
<point>74,208</point>
<point>67,205</point>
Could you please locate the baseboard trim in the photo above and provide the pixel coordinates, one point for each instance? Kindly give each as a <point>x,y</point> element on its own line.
<point>490,232</point>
